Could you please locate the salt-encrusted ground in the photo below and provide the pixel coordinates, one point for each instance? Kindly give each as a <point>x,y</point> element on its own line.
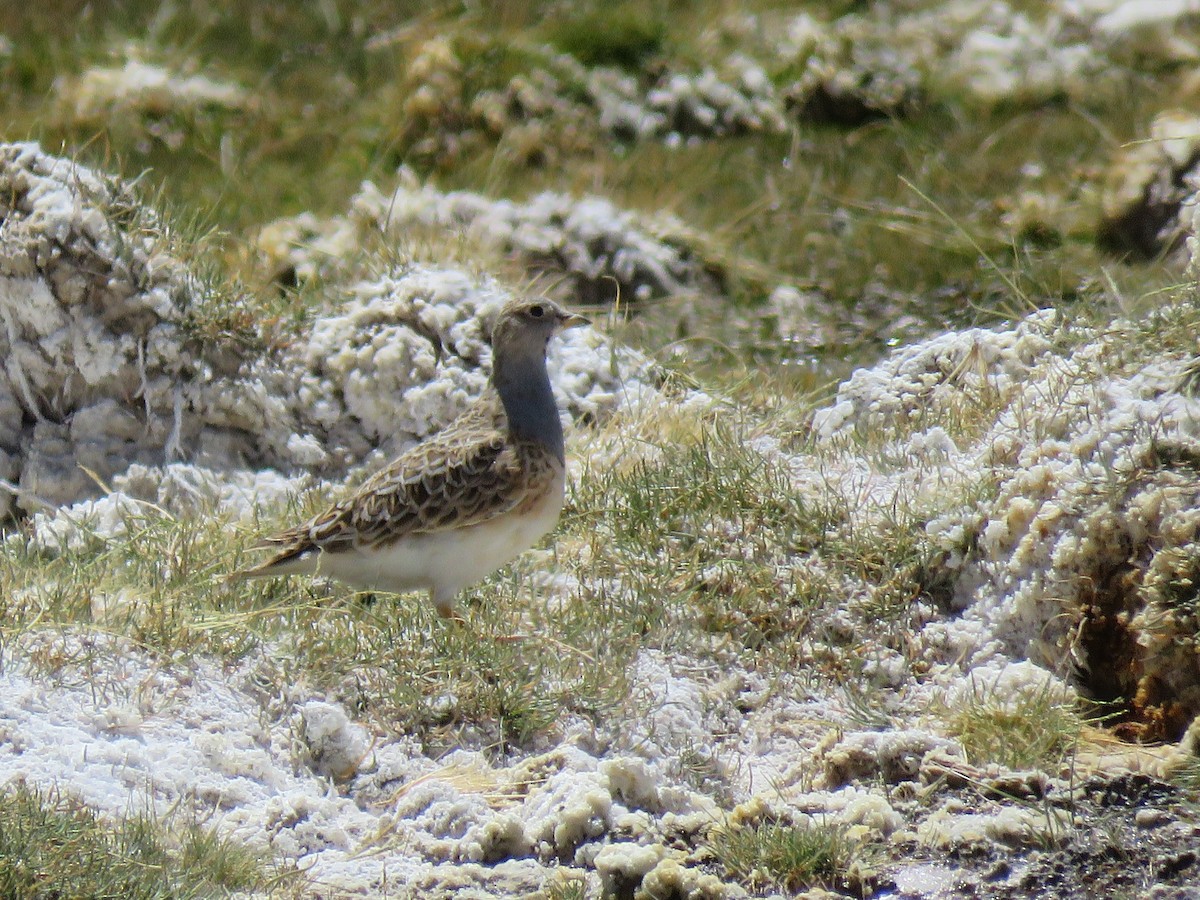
<point>592,251</point>
<point>1077,468</point>
<point>612,802</point>
<point>1055,468</point>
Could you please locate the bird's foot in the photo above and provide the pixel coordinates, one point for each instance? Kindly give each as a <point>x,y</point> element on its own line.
<point>449,613</point>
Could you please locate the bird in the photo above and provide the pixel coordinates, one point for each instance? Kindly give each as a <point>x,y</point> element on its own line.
<point>459,505</point>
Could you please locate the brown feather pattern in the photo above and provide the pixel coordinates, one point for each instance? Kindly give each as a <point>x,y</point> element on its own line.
<point>464,475</point>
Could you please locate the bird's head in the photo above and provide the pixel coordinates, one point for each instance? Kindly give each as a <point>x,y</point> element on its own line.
<point>524,327</point>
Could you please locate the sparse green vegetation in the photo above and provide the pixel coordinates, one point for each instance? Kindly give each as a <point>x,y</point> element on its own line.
<point>52,846</point>
<point>792,858</point>
<point>565,888</point>
<point>1187,776</point>
<point>662,526</point>
<point>1027,729</point>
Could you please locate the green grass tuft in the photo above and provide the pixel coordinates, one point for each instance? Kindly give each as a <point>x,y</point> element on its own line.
<point>1026,729</point>
<point>791,857</point>
<point>52,846</point>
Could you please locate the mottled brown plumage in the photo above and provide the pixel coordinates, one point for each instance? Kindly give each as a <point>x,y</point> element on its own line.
<point>465,501</point>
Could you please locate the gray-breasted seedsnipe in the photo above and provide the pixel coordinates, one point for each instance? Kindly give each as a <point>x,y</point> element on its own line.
<point>462,503</point>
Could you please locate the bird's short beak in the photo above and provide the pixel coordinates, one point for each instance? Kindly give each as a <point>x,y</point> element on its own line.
<point>571,320</point>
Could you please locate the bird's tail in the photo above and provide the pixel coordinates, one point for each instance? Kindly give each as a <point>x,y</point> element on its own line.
<point>291,560</point>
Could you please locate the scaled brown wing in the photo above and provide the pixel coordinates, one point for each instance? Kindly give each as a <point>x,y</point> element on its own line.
<point>461,476</point>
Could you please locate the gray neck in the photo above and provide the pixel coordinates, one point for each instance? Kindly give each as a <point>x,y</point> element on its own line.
<point>524,389</point>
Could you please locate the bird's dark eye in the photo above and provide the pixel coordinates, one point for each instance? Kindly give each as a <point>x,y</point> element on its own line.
<point>537,311</point>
